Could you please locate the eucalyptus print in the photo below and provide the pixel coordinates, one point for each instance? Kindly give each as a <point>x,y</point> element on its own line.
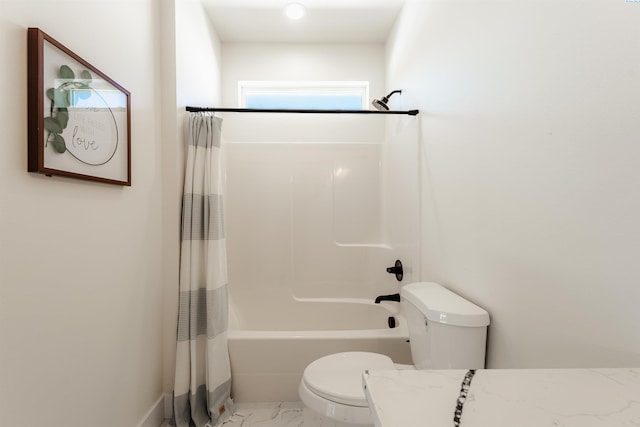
<point>61,99</point>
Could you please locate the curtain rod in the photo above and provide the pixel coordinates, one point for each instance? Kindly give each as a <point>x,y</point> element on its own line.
<point>303,111</point>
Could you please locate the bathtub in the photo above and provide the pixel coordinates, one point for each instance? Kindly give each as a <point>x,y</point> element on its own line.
<point>269,353</point>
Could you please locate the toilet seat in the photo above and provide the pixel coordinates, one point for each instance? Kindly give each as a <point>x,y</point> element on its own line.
<point>338,377</point>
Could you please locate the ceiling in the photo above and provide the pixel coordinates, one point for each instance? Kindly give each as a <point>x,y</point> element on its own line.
<point>326,21</point>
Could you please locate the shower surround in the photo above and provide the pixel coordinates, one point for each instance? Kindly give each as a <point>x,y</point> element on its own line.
<point>311,228</point>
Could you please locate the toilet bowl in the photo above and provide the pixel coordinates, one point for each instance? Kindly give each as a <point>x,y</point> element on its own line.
<point>332,386</point>
<point>445,330</point>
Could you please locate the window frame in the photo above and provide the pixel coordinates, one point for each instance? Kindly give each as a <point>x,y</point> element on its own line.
<point>248,88</point>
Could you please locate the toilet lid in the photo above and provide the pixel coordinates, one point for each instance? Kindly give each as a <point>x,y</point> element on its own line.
<point>338,377</point>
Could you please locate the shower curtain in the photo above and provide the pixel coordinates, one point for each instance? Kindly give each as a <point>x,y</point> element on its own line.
<point>203,375</point>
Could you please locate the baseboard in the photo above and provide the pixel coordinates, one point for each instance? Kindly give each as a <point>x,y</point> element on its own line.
<point>155,416</point>
<point>168,405</point>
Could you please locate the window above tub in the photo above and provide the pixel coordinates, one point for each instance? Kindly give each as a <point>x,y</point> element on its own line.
<point>320,95</point>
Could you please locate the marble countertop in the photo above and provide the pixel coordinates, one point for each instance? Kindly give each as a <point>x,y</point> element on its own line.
<point>505,397</point>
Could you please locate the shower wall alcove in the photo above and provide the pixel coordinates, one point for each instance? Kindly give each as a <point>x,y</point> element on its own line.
<point>317,206</point>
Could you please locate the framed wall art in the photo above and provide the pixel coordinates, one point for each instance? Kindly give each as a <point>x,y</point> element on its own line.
<point>79,119</point>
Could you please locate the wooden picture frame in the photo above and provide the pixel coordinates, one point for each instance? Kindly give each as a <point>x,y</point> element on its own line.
<point>79,119</point>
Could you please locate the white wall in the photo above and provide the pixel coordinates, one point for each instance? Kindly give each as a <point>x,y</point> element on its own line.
<point>198,56</point>
<point>80,282</point>
<point>191,77</point>
<point>529,117</point>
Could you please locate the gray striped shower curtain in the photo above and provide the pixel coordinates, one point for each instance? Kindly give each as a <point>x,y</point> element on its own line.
<point>203,375</point>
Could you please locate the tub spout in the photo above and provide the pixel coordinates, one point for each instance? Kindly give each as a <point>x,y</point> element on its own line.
<point>392,297</point>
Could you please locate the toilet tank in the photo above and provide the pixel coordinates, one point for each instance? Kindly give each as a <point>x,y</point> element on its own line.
<point>445,330</point>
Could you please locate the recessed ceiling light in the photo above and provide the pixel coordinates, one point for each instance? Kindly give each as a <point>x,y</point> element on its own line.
<point>294,10</point>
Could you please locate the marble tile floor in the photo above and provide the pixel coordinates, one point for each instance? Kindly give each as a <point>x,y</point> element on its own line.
<point>277,414</point>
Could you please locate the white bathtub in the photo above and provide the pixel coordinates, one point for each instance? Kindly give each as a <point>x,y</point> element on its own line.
<point>269,352</point>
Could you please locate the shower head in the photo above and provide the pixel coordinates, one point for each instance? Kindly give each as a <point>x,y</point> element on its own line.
<point>381,104</point>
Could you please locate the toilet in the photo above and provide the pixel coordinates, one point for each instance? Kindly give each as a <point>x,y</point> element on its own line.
<point>445,331</point>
